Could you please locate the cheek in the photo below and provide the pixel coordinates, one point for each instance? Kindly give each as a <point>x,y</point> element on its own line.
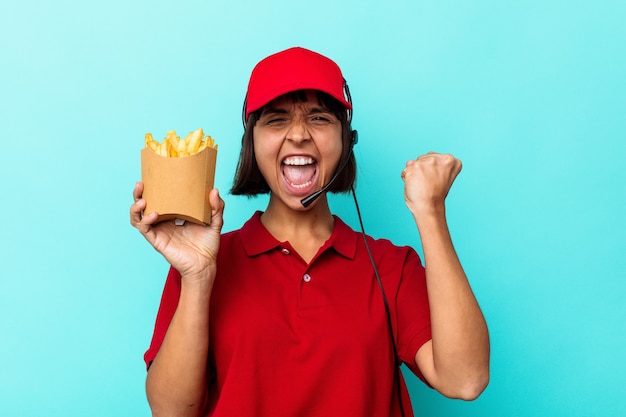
<point>265,157</point>
<point>264,149</point>
<point>333,149</point>
<point>265,143</point>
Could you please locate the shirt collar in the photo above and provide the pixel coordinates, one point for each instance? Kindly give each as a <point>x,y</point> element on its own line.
<point>256,239</point>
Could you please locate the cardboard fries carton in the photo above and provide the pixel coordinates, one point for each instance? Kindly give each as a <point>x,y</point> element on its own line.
<point>178,188</point>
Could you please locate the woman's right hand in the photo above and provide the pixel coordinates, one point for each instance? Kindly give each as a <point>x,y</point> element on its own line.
<point>191,248</point>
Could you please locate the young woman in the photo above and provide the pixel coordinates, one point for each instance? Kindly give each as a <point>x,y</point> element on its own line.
<point>285,316</point>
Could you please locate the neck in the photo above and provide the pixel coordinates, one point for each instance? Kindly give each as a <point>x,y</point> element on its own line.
<point>287,224</point>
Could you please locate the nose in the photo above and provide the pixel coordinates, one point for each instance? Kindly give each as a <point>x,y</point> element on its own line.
<point>298,131</point>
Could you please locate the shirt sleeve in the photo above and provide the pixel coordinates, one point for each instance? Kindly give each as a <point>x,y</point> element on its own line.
<point>167,308</point>
<point>413,311</point>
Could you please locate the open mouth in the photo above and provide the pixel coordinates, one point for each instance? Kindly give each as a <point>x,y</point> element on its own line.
<point>299,171</point>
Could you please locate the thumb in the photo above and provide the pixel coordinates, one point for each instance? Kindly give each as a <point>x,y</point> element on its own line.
<point>217,208</point>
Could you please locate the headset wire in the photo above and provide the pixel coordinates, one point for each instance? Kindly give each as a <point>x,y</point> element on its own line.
<point>397,362</point>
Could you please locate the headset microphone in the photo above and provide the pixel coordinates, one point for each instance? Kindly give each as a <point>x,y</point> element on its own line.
<point>306,201</point>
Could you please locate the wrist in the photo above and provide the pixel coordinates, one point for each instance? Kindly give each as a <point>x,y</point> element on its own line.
<point>199,278</point>
<point>427,211</point>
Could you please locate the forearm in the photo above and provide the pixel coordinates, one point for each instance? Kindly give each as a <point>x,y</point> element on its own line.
<point>460,341</point>
<point>177,379</point>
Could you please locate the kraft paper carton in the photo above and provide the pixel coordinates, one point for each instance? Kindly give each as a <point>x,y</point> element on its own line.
<point>178,188</point>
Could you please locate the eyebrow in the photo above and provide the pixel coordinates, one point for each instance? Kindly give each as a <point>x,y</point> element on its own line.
<point>319,110</point>
<point>274,110</point>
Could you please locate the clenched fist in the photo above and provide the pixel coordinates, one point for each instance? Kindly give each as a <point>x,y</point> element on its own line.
<point>427,181</point>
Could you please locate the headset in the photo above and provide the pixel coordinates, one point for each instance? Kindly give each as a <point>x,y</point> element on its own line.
<point>308,200</point>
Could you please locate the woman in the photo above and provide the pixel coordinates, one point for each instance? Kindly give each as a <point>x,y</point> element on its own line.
<point>285,316</point>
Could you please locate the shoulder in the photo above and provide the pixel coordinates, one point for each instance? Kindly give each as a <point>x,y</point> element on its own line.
<point>389,256</point>
<point>252,239</point>
<point>231,241</point>
<point>383,249</point>
<point>230,236</point>
<point>247,230</point>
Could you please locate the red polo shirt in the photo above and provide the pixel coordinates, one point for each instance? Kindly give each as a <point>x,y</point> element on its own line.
<point>289,338</point>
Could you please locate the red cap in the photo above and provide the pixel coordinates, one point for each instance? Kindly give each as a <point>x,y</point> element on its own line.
<point>290,70</point>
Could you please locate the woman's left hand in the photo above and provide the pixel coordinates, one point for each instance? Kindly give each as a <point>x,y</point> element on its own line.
<point>427,181</point>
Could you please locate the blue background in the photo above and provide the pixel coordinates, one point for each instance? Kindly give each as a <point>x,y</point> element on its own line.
<point>530,95</point>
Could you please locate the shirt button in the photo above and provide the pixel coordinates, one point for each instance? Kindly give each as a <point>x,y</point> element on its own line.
<point>306,278</point>
<point>285,251</point>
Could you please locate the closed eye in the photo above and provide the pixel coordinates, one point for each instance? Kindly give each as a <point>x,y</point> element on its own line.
<point>274,117</point>
<point>322,118</point>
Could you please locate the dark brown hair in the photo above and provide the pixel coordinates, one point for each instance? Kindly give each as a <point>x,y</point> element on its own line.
<point>248,179</point>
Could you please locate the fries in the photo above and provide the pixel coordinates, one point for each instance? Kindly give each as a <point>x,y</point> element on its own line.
<point>175,147</point>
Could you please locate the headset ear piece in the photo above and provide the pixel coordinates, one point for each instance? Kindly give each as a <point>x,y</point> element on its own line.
<point>346,93</point>
<point>243,110</point>
<point>355,138</point>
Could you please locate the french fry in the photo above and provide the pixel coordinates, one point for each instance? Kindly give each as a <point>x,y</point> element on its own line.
<point>180,146</point>
<point>193,140</point>
<point>150,142</point>
<point>173,146</point>
<point>164,148</point>
<point>208,142</point>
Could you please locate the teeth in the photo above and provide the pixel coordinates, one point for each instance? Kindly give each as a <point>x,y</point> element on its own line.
<point>306,184</point>
<point>298,160</point>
